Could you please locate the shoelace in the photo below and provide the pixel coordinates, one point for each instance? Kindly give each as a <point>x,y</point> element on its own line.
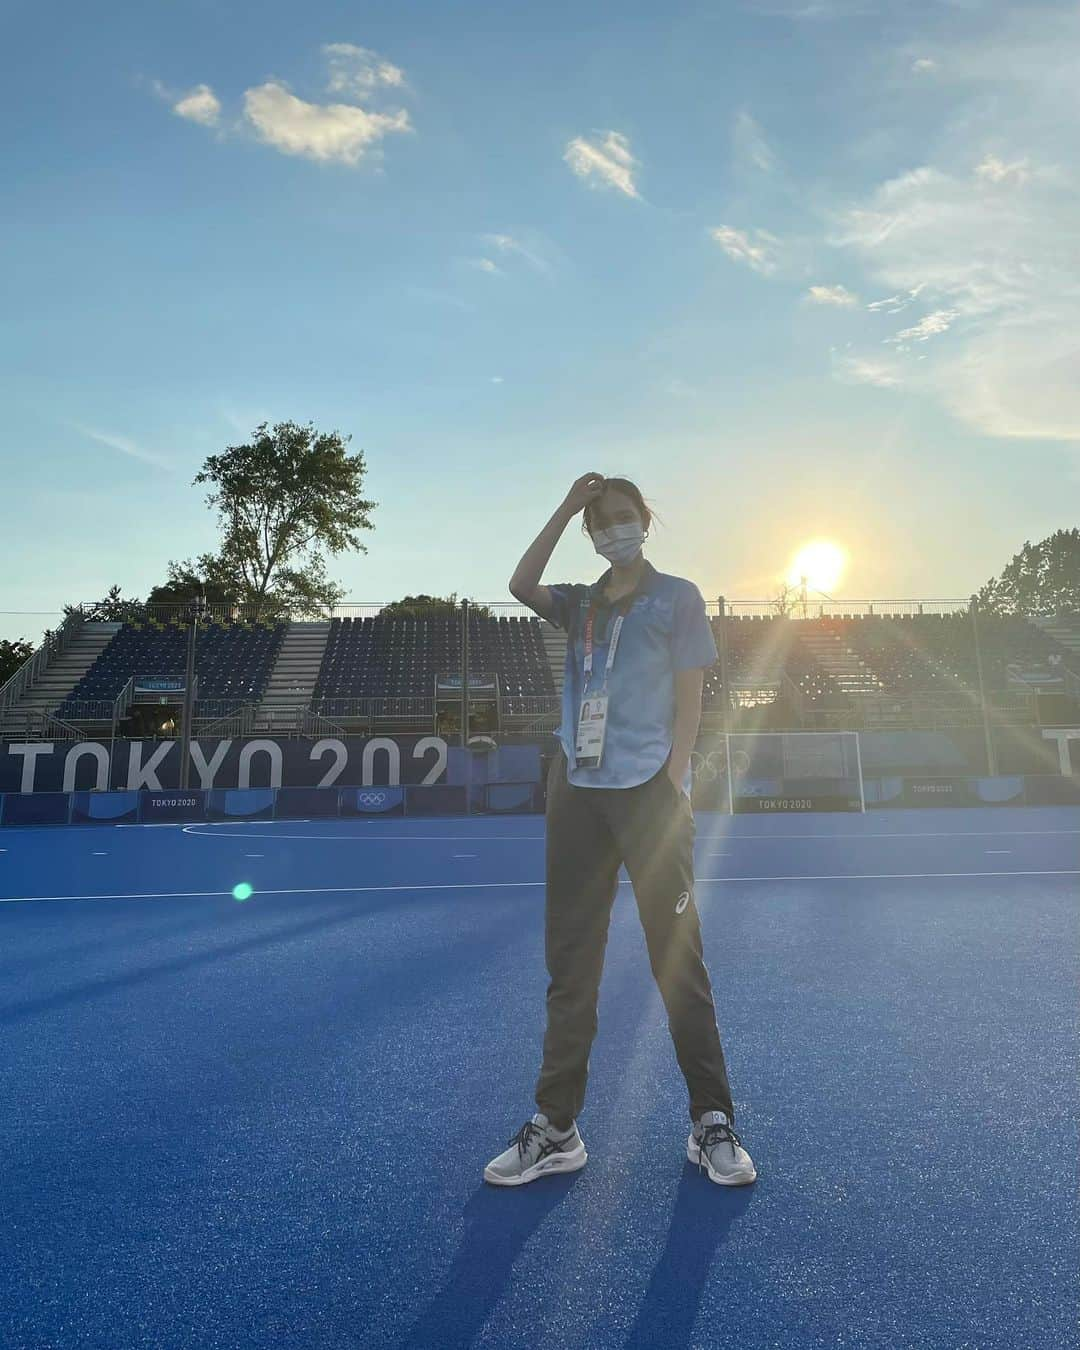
<point>712,1135</point>
<point>524,1135</point>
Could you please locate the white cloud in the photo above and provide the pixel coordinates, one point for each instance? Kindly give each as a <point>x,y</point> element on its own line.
<point>893,304</point>
<point>994,170</point>
<point>814,9</point>
<point>832,295</point>
<point>608,161</point>
<point>930,326</point>
<point>483,264</point>
<point>338,132</point>
<point>923,65</point>
<point>866,370</point>
<point>1005,262</point>
<point>358,72</point>
<point>341,131</point>
<point>199,105</point>
<point>509,244</point>
<point>757,250</point>
<point>989,236</point>
<point>124,444</point>
<point>497,379</point>
<point>750,144</point>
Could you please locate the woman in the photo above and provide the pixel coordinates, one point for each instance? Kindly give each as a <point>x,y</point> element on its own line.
<point>638,644</point>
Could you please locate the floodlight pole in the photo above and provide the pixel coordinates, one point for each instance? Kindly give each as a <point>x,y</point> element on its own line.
<point>721,648</point>
<point>464,672</point>
<point>991,757</point>
<point>198,609</point>
<point>725,702</point>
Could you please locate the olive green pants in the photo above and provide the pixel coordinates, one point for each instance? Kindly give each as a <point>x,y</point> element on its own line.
<point>590,832</point>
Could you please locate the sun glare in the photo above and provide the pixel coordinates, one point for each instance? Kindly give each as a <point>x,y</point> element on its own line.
<point>821,562</point>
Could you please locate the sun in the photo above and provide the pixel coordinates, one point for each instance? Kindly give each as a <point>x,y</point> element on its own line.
<point>821,562</point>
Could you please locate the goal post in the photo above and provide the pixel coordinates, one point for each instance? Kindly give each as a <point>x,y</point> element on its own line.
<point>786,771</point>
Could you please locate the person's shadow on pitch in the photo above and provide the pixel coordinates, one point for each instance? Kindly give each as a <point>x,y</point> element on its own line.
<point>498,1222</point>
<point>700,1220</point>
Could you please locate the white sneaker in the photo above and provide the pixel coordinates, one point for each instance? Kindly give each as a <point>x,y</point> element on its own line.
<point>536,1151</point>
<point>717,1149</point>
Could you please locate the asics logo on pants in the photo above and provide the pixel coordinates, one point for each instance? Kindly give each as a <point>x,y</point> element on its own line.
<point>682,902</point>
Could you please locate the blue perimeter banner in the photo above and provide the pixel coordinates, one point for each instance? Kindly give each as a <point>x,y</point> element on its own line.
<point>349,761</point>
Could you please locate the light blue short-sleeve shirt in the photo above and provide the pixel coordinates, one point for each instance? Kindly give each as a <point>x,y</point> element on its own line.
<point>665,630</point>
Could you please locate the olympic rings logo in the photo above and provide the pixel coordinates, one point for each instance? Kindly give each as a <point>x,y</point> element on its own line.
<point>708,768</point>
<point>371,798</point>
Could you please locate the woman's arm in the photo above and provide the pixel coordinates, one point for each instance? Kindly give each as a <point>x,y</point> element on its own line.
<point>525,583</point>
<point>688,689</point>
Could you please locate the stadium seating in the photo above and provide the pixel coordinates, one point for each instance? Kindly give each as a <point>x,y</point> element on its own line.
<point>895,655</point>
<point>233,661</point>
<point>400,656</point>
<point>819,664</point>
<point>937,651</point>
<point>764,650</point>
<point>513,648</point>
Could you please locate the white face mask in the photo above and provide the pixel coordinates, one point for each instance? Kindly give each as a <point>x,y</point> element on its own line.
<point>620,544</point>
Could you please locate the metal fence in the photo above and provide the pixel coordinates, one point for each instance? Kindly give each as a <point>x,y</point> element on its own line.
<point>456,644</point>
<point>835,609</point>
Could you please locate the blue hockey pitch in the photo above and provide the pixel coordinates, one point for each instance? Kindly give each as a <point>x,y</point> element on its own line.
<point>247,1122</point>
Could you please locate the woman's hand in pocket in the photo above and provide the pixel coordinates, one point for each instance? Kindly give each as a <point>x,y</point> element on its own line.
<point>676,783</point>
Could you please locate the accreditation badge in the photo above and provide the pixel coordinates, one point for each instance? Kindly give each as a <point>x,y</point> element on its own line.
<point>592,724</point>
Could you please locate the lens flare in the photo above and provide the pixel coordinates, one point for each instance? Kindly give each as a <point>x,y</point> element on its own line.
<point>242,891</point>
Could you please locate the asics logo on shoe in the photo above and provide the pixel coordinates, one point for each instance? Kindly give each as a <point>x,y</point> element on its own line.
<point>682,902</point>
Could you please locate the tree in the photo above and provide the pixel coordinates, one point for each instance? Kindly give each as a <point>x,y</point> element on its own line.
<point>423,606</point>
<point>284,500</point>
<point>12,655</point>
<point>1042,579</point>
<point>184,585</point>
<point>113,608</point>
<point>787,599</point>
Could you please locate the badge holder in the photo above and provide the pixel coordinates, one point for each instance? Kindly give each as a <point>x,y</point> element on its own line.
<point>592,718</point>
<point>592,726</point>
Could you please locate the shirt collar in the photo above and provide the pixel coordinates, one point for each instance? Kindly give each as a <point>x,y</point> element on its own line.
<point>645,584</point>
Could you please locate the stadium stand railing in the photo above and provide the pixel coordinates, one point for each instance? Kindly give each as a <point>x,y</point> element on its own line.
<point>391,669</point>
<point>51,645</point>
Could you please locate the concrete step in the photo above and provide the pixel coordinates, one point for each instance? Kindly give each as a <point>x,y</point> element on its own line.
<point>62,673</point>
<point>845,667</point>
<point>555,650</point>
<point>292,679</point>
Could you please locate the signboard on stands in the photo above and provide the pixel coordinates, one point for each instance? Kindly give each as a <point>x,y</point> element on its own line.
<point>158,688</point>
<point>479,684</point>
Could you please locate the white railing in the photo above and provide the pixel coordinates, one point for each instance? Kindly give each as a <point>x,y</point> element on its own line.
<point>28,673</point>
<point>838,609</point>
<point>239,722</point>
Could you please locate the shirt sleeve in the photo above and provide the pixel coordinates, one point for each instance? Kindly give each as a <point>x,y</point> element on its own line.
<point>693,646</point>
<point>563,600</point>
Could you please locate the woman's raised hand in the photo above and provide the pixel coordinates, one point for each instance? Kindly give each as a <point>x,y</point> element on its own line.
<point>585,490</point>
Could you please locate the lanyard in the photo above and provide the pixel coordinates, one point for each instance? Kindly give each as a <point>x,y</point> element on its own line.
<point>613,644</point>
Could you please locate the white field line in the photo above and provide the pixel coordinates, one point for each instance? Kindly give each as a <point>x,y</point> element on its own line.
<point>517,885</point>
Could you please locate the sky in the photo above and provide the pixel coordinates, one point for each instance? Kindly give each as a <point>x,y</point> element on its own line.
<point>803,269</point>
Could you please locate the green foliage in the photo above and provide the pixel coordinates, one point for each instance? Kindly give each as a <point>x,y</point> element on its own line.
<point>112,608</point>
<point>284,501</point>
<point>1042,579</point>
<point>12,655</point>
<point>424,606</point>
<point>185,584</point>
